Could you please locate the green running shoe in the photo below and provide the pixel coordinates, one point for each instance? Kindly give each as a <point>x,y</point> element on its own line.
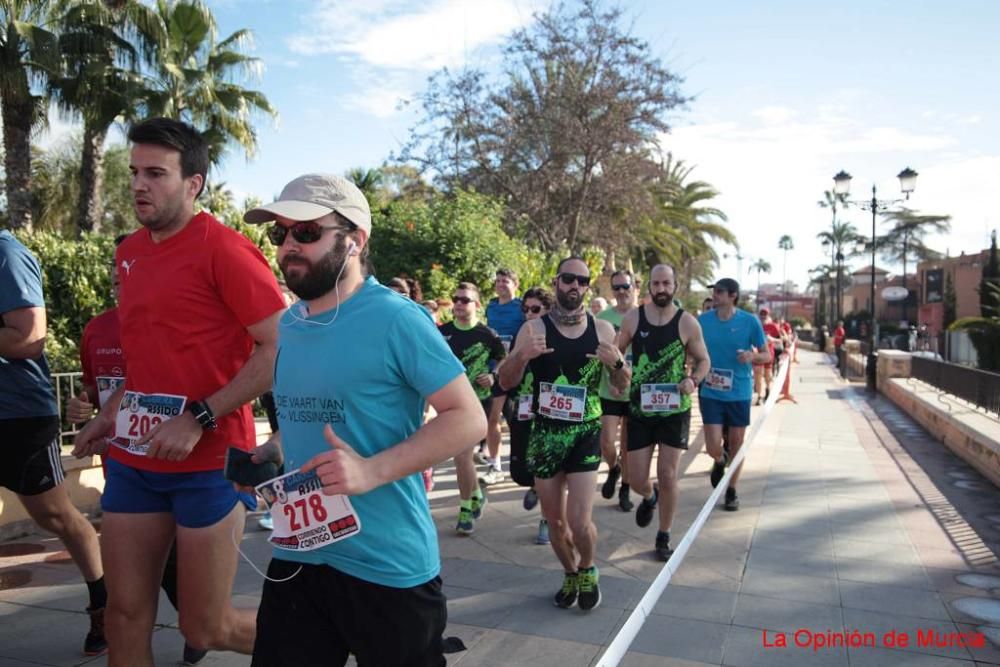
<point>590,592</point>
<point>566,597</point>
<point>466,522</point>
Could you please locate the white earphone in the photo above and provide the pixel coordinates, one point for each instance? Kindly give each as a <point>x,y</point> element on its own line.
<point>353,248</point>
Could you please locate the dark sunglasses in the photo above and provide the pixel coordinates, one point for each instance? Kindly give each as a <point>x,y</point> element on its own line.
<point>309,231</point>
<point>622,288</point>
<point>570,278</point>
<point>462,299</point>
<point>531,309</point>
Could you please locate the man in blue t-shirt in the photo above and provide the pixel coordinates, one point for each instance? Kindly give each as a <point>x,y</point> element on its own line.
<point>503,315</point>
<point>735,340</point>
<point>356,563</point>
<point>29,426</point>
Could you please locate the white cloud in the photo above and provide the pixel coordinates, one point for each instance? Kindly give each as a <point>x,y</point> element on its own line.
<point>388,33</point>
<point>771,173</point>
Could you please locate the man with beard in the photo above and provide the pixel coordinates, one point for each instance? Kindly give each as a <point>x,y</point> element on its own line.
<point>566,351</point>
<point>662,336</point>
<point>356,562</point>
<point>735,340</point>
<point>479,349</point>
<point>504,316</point>
<point>198,311</point>
<point>614,409</point>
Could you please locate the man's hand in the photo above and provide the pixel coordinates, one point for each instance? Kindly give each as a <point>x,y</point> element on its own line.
<point>173,439</point>
<point>608,354</point>
<point>536,346</point>
<point>93,437</point>
<point>687,386</point>
<point>269,451</point>
<point>341,470</point>
<point>744,356</point>
<point>485,380</point>
<point>79,409</point>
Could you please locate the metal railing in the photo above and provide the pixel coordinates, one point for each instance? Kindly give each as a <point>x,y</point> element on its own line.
<point>981,388</point>
<point>66,385</point>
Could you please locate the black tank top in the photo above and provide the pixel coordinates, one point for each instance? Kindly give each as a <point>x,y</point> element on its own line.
<point>658,356</point>
<point>568,364</point>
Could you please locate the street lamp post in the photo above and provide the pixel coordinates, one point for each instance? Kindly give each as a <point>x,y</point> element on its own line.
<point>842,186</point>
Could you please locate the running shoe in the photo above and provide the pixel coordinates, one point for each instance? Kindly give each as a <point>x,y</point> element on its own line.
<point>479,504</point>
<point>192,656</point>
<point>590,592</point>
<point>663,550</point>
<point>608,488</point>
<point>95,644</point>
<point>491,476</point>
<point>543,533</point>
<point>530,499</point>
<point>732,500</point>
<point>466,524</point>
<point>566,597</point>
<point>644,514</point>
<point>265,522</point>
<point>480,458</point>
<point>624,501</point>
<point>719,469</point>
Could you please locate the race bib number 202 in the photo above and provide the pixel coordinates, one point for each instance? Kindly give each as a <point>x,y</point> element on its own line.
<point>304,517</point>
<point>139,413</point>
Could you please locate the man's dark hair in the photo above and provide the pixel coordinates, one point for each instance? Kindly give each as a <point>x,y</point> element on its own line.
<point>623,272</point>
<point>506,273</point>
<point>119,239</point>
<point>570,259</point>
<point>470,287</point>
<point>178,136</point>
<point>539,293</point>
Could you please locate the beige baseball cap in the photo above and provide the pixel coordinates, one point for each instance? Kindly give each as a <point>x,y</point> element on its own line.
<point>314,195</point>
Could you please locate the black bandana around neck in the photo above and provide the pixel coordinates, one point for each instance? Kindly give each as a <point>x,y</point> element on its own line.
<point>566,317</point>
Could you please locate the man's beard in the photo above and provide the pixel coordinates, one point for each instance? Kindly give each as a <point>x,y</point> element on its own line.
<point>662,299</point>
<point>567,301</point>
<point>318,279</point>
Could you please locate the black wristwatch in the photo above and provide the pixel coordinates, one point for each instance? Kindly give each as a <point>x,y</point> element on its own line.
<point>203,415</point>
<point>619,364</point>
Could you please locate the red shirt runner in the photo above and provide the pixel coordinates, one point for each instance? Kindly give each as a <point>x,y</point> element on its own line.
<point>101,356</point>
<point>184,307</point>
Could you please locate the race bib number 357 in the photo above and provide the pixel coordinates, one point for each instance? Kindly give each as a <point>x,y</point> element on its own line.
<point>660,397</point>
<point>304,517</point>
<point>139,413</point>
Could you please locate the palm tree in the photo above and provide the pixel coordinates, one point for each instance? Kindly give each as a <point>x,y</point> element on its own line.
<point>197,78</point>
<point>101,50</point>
<point>758,266</point>
<point>368,181</point>
<point>841,236</point>
<point>785,243</point>
<point>29,54</point>
<point>683,229</point>
<point>906,237</point>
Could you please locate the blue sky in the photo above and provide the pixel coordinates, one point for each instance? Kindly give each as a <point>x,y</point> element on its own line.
<point>786,94</point>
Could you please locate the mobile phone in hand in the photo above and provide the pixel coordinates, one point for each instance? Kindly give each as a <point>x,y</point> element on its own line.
<point>241,469</point>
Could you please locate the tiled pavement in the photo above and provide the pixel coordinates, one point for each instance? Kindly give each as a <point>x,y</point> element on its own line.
<point>852,519</point>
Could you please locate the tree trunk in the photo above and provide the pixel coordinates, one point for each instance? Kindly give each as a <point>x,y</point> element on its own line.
<point>90,205</point>
<point>17,115</point>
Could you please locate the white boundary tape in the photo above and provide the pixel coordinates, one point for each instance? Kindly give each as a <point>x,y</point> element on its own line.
<point>626,635</point>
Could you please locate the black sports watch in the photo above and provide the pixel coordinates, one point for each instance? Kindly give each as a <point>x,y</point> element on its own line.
<point>619,364</point>
<point>203,415</point>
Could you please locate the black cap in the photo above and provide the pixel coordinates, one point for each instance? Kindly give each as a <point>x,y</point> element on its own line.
<point>727,284</point>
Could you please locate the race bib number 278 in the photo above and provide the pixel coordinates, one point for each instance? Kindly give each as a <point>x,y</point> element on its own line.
<point>304,517</point>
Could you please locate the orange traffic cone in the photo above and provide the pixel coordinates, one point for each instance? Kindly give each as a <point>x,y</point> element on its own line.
<point>786,389</point>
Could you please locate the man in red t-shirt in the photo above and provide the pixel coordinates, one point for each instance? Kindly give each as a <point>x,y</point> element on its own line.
<point>838,336</point>
<point>198,308</point>
<point>763,372</point>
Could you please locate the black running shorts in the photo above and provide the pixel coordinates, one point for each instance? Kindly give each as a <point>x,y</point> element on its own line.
<point>671,431</point>
<point>557,446</point>
<point>321,614</point>
<point>611,408</point>
<point>32,457</point>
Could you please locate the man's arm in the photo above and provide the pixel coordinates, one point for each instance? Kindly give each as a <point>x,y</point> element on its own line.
<point>697,351</point>
<point>459,422</point>
<point>627,331</point>
<point>22,335</point>
<point>511,371</point>
<point>611,356</point>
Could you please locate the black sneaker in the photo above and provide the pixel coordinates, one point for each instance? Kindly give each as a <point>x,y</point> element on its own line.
<point>732,501</point>
<point>624,501</point>
<point>767,394</point>
<point>719,469</point>
<point>644,514</point>
<point>590,592</point>
<point>608,488</point>
<point>192,656</point>
<point>566,597</point>
<point>663,550</point>
<point>95,644</point>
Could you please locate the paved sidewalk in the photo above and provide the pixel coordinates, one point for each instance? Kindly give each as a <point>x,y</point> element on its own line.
<point>850,520</point>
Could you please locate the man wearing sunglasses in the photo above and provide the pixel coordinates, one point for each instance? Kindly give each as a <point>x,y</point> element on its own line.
<point>504,316</point>
<point>355,366</point>
<point>614,408</point>
<point>479,349</point>
<point>735,340</point>
<point>198,310</point>
<point>662,337</point>
<point>566,351</point>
